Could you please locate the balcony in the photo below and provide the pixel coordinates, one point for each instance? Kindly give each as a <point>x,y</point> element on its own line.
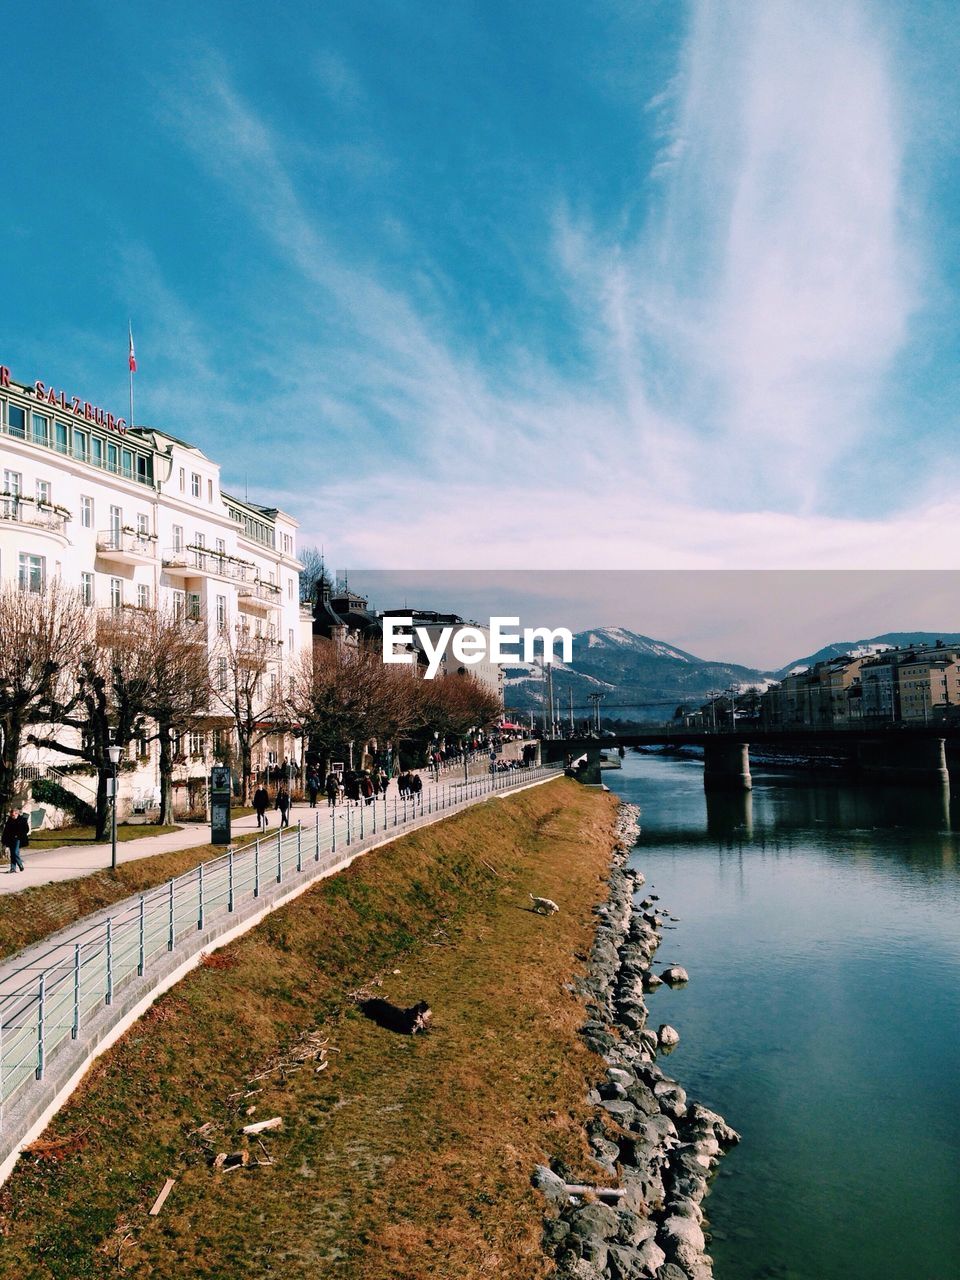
<point>256,596</point>
<point>126,546</point>
<point>40,516</point>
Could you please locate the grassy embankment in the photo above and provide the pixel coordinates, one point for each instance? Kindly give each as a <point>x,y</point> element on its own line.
<point>406,1158</point>
<point>33,914</point>
<point>56,837</point>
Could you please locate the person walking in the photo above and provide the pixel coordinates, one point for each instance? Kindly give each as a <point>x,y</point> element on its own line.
<point>283,805</point>
<point>416,788</point>
<point>313,788</point>
<point>332,789</point>
<point>261,803</point>
<point>366,788</point>
<point>15,829</point>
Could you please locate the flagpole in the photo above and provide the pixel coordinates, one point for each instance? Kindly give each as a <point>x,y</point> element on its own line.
<point>130,364</point>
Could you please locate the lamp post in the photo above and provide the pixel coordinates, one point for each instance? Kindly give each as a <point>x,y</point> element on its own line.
<point>114,752</point>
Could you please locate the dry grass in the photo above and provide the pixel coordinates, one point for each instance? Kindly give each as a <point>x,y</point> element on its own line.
<point>33,914</point>
<point>56,838</point>
<point>405,1158</point>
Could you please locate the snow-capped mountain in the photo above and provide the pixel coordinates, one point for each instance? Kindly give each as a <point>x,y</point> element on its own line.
<point>640,678</point>
<point>867,648</point>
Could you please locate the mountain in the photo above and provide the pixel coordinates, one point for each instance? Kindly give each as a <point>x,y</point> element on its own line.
<point>862,648</point>
<point>640,678</point>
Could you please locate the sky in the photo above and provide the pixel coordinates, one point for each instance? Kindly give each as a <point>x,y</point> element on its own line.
<point>586,284</point>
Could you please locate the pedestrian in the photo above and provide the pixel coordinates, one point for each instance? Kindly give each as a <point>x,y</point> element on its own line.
<point>366,788</point>
<point>313,788</point>
<point>15,828</point>
<point>261,802</point>
<point>384,780</point>
<point>332,789</point>
<point>283,805</point>
<point>416,787</point>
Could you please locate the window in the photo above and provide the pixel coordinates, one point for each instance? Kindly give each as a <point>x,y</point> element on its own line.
<point>194,485</point>
<point>81,445</point>
<point>96,451</point>
<point>209,490</point>
<point>17,421</point>
<point>290,639</point>
<point>61,433</point>
<point>116,594</point>
<point>199,539</point>
<point>222,675</point>
<point>143,525</point>
<point>221,743</point>
<point>288,544</point>
<point>143,595</point>
<point>113,455</point>
<point>144,468</point>
<point>221,614</point>
<point>198,743</point>
<point>86,589</point>
<point>116,521</point>
<point>290,585</point>
<point>221,547</point>
<point>12,483</point>
<point>178,537</point>
<point>86,511</point>
<point>41,428</point>
<point>273,686</point>
<point>179,605</point>
<point>183,480</point>
<point>32,572</point>
<point>43,491</point>
<point>193,606</point>
<point>127,457</point>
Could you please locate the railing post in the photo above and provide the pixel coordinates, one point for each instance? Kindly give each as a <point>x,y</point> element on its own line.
<point>172,924</point>
<point>141,958</point>
<point>75,1029</point>
<point>333,831</point>
<point>280,856</point>
<point>40,1028</point>
<point>394,810</point>
<point>109,996</point>
<point>299,847</point>
<point>374,815</point>
<point>200,897</point>
<point>316,837</point>
<point>230,878</point>
<point>256,868</point>
<point>363,805</point>
<point>348,824</point>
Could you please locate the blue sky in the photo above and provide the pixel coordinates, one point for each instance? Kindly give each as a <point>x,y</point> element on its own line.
<point>494,284</point>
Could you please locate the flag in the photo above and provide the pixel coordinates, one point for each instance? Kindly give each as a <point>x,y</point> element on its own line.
<point>132,357</point>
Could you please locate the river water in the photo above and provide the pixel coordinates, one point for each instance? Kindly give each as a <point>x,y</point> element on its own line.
<point>820,925</point>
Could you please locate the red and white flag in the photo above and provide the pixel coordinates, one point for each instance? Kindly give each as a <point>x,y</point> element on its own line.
<point>133,356</point>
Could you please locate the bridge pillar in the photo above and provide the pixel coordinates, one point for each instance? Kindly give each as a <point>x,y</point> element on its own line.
<point>913,760</point>
<point>726,765</point>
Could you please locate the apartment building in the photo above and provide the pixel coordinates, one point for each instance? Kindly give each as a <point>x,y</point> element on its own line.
<point>135,518</point>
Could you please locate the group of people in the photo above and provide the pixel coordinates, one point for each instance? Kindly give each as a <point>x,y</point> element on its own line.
<point>261,803</point>
<point>16,836</point>
<point>410,784</point>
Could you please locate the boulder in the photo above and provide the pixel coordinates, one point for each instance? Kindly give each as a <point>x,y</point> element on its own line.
<point>594,1222</point>
<point>667,1036</point>
<point>682,1237</point>
<point>550,1184</point>
<point>675,975</point>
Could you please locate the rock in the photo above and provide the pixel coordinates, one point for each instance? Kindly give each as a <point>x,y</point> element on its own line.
<point>683,1238</point>
<point>675,975</point>
<point>550,1185</point>
<point>634,1229</point>
<point>619,1076</point>
<point>651,981</point>
<point>635,1264</point>
<point>623,1111</point>
<point>668,1036</point>
<point>555,1232</point>
<point>594,1222</point>
<point>670,1271</point>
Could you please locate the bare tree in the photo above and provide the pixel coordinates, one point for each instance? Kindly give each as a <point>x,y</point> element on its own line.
<point>179,688</point>
<point>109,703</point>
<point>457,703</point>
<point>344,695</point>
<point>246,685</point>
<point>313,575</point>
<point>40,632</point>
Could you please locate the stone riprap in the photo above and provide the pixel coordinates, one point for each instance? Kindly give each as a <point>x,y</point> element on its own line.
<point>658,1149</point>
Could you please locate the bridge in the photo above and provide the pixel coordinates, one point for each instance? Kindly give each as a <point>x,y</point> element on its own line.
<point>896,752</point>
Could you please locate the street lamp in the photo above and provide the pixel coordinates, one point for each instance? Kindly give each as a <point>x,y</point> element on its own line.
<point>114,752</point>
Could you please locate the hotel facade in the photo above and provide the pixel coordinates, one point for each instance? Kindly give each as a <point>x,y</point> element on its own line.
<point>135,518</point>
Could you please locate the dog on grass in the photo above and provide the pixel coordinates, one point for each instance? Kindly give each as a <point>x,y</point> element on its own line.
<point>543,906</point>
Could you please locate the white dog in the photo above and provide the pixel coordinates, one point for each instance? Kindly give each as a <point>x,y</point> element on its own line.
<point>544,906</point>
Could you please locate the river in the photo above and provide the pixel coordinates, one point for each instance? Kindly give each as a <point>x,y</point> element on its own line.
<point>820,924</point>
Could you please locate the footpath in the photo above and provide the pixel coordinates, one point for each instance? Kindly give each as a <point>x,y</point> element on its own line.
<point>70,862</point>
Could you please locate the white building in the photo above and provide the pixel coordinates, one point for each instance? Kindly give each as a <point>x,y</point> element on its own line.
<point>135,518</point>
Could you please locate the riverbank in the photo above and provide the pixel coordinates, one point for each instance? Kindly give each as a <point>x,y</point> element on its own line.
<point>398,1157</point>
<point>645,1136</point>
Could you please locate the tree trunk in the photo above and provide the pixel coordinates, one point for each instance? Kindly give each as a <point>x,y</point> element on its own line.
<point>246,768</point>
<point>12,732</point>
<point>166,777</point>
<point>103,805</point>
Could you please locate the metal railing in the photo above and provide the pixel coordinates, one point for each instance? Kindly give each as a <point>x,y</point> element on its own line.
<point>47,1000</point>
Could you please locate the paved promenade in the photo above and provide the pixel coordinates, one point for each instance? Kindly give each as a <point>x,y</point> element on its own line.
<point>69,862</point>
